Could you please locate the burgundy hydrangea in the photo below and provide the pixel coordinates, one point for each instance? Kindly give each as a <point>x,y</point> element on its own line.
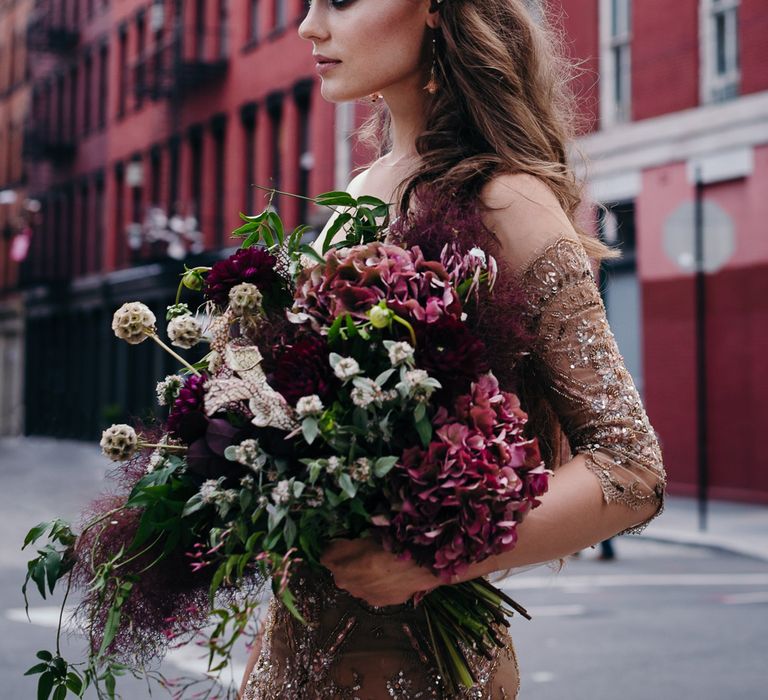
<point>254,265</point>
<point>355,279</point>
<point>462,498</point>
<point>450,352</point>
<point>187,420</point>
<point>302,369</point>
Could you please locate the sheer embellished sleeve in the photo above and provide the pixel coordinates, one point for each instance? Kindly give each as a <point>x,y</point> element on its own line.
<point>579,367</point>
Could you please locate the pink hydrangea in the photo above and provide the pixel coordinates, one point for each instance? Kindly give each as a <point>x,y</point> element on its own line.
<point>460,500</point>
<point>355,279</point>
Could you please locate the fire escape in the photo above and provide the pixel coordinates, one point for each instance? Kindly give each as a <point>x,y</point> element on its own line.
<point>51,38</point>
<point>194,56</point>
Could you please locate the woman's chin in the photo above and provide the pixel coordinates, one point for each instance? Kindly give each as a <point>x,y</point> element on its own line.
<point>333,91</point>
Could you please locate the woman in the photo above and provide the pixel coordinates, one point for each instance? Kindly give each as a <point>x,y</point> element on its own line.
<point>490,128</point>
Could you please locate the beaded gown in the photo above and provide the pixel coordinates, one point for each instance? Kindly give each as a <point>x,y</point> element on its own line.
<point>353,651</point>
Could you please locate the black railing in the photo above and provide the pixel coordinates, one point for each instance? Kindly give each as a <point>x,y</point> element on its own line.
<point>41,144</point>
<point>170,69</point>
<point>49,35</point>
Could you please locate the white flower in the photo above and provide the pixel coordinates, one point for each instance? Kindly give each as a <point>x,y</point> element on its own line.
<point>281,494</point>
<point>209,491</point>
<point>361,469</point>
<point>244,298</point>
<point>334,464</point>
<point>168,389</point>
<point>479,255</point>
<point>230,496</point>
<point>309,406</point>
<point>400,353</point>
<point>345,367</point>
<point>156,460</point>
<point>133,321</point>
<point>247,482</point>
<point>416,378</point>
<point>366,392</point>
<point>250,454</point>
<point>185,331</point>
<point>119,442</point>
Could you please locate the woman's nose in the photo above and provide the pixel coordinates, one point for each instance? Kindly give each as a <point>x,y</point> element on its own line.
<point>312,27</point>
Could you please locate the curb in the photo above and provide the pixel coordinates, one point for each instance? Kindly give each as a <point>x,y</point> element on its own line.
<point>720,544</point>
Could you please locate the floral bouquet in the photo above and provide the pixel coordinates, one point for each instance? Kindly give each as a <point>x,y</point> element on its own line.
<point>345,394</point>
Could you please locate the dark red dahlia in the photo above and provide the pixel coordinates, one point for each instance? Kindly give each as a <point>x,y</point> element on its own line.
<point>302,369</point>
<point>187,420</point>
<point>450,351</point>
<point>254,265</point>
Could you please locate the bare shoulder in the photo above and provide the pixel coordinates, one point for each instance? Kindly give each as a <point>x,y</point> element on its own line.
<point>525,214</point>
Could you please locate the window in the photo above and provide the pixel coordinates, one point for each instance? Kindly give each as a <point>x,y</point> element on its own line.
<point>141,67</point>
<point>195,172</point>
<point>122,61</point>
<point>73,126</point>
<point>103,68</point>
<point>302,93</point>
<point>223,28</point>
<point>218,129</point>
<point>281,11</point>
<point>719,30</point>
<point>87,80</point>
<point>248,118</point>
<point>615,61</point>
<point>173,175</point>
<point>253,23</point>
<point>275,111</point>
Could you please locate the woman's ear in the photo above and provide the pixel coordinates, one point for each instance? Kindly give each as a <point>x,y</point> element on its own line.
<point>433,18</point>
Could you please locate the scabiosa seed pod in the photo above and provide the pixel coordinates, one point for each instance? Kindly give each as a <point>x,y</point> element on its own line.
<point>185,331</point>
<point>245,298</point>
<point>133,322</point>
<point>119,442</point>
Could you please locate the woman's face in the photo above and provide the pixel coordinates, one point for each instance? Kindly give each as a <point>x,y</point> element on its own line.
<point>368,46</point>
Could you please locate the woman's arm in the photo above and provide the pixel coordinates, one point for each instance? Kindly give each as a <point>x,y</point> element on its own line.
<point>253,657</point>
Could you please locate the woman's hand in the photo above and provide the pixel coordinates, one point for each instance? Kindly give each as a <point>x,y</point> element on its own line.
<point>366,570</point>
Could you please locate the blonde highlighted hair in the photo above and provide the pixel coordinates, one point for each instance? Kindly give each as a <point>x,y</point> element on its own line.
<point>503,105</point>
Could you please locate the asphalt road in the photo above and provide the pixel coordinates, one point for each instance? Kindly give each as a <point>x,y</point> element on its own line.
<point>661,622</point>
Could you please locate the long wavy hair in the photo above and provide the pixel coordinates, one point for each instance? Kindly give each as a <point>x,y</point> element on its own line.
<point>503,105</point>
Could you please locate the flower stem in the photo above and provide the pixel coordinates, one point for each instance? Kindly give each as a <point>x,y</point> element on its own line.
<point>172,353</point>
<point>61,613</point>
<point>163,446</point>
<point>405,323</point>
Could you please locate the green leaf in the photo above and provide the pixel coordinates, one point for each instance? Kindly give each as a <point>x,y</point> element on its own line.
<point>277,225</point>
<point>340,220</point>
<point>368,201</point>
<point>419,412</point>
<point>110,629</point>
<point>289,602</point>
<point>60,693</point>
<point>38,574</point>
<point>74,683</point>
<point>384,465</point>
<point>424,429</point>
<point>52,567</point>
<point>309,429</point>
<point>37,668</point>
<point>289,532</point>
<point>347,485</point>
<point>217,580</point>
<point>335,330</point>
<point>336,199</point>
<point>34,534</point>
<point>44,655</point>
<point>45,685</point>
<point>109,684</point>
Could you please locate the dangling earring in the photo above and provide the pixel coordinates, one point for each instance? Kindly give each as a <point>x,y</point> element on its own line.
<point>375,97</point>
<point>431,86</point>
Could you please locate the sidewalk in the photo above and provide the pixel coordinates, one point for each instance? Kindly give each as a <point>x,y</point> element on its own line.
<point>741,528</point>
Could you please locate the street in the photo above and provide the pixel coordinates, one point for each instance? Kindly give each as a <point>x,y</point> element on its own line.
<point>662,621</point>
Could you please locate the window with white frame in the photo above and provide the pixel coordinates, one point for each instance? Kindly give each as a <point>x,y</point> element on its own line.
<point>719,41</point>
<point>615,61</point>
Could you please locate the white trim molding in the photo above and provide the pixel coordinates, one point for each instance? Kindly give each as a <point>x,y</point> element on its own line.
<point>722,166</point>
<point>719,73</point>
<point>674,138</point>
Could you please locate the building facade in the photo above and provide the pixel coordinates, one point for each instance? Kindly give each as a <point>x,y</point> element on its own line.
<point>679,115</point>
<point>145,125</point>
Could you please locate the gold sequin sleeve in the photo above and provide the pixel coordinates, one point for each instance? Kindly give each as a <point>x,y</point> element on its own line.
<point>580,369</point>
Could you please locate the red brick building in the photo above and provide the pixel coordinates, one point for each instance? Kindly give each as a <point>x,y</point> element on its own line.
<point>181,105</point>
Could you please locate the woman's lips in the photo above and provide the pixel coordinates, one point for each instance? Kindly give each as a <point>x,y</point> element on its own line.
<point>324,63</point>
